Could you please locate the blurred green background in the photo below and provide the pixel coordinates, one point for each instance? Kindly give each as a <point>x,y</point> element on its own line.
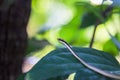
<point>73,21</point>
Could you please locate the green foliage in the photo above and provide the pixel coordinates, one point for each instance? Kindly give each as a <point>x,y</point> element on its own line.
<point>116,42</point>
<point>86,20</point>
<point>45,27</point>
<point>35,45</point>
<point>110,47</point>
<point>90,75</point>
<point>61,62</point>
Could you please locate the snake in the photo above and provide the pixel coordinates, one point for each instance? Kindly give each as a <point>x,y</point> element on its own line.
<point>102,72</point>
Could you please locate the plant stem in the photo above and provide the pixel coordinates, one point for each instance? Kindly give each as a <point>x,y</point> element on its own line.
<point>104,15</point>
<point>93,36</point>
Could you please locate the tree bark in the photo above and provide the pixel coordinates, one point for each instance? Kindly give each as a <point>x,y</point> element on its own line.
<point>13,37</point>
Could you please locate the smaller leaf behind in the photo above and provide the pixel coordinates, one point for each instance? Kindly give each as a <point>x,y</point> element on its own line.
<point>116,42</point>
<point>88,19</point>
<point>110,48</point>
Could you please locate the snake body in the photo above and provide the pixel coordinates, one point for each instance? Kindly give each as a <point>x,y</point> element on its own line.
<point>102,72</point>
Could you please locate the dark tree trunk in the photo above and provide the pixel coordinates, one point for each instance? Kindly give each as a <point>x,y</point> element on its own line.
<point>13,37</point>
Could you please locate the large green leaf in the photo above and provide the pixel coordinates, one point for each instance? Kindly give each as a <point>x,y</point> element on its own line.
<point>90,75</point>
<point>61,62</point>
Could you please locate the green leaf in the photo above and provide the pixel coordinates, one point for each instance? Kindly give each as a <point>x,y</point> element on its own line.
<point>88,19</point>
<point>61,62</point>
<point>111,48</point>
<point>35,45</point>
<point>90,75</point>
<point>59,78</point>
<point>96,10</point>
<point>116,42</point>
